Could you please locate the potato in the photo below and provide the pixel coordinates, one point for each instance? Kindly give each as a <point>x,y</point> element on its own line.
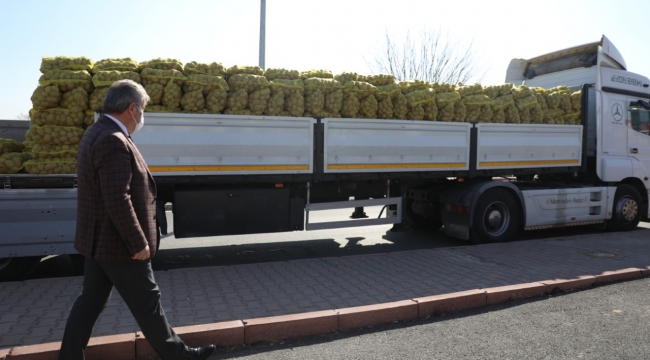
<point>75,100</point>
<point>107,78</point>
<point>172,95</point>
<point>89,118</point>
<point>416,113</point>
<point>237,112</point>
<point>420,97</point>
<point>314,101</point>
<point>400,106</point>
<point>506,89</point>
<point>214,69</point>
<point>576,101</point>
<point>446,111</point>
<point>123,64</point>
<point>162,64</point>
<point>162,77</point>
<point>216,101</point>
<point>334,102</point>
<point>205,83</point>
<point>52,166</point>
<point>385,108</point>
<point>65,63</point>
<point>512,114</point>
<point>486,114</point>
<point>430,111</point>
<point>324,85</point>
<point>10,146</point>
<point>156,108</point>
<point>565,102</point>
<point>446,97</point>
<point>536,114</point>
<point>96,99</point>
<point>524,116</point>
<point>67,80</point>
<point>193,101</point>
<point>368,107</point>
<point>45,97</point>
<point>350,106</point>
<point>323,74</point>
<point>11,163</point>
<point>499,117</point>
<point>28,146</point>
<point>525,103</point>
<point>460,112</point>
<point>275,105</point>
<point>387,91</point>
<point>359,89</point>
<point>502,102</point>
<point>28,135</point>
<point>541,100</point>
<point>294,104</point>
<point>492,91</point>
<point>57,117</point>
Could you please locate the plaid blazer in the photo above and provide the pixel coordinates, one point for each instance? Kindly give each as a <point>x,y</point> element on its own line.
<point>116,196</point>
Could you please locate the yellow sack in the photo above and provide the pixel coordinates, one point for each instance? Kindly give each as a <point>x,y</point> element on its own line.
<point>57,135</point>
<point>45,152</point>
<point>123,64</point>
<point>277,73</point>
<point>247,82</point>
<point>52,166</point>
<point>10,146</point>
<point>205,83</point>
<point>75,100</point>
<point>11,163</point>
<point>162,77</point>
<point>245,69</point>
<point>323,74</point>
<point>107,78</point>
<point>67,80</point>
<point>413,85</point>
<point>65,63</point>
<point>56,117</point>
<point>213,69</point>
<point>96,98</point>
<point>45,97</point>
<point>162,64</point>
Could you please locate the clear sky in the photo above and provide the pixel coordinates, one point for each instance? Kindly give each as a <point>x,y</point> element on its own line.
<point>338,35</point>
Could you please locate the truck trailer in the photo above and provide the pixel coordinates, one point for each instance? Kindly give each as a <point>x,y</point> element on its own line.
<point>481,182</point>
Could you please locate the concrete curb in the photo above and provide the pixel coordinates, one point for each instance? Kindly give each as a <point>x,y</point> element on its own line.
<point>276,328</point>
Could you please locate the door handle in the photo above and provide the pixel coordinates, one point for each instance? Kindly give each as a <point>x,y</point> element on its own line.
<point>634,150</point>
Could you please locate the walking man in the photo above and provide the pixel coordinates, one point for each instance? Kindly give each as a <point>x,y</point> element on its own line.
<point>116,229</point>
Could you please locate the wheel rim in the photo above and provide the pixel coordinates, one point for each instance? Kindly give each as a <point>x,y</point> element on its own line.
<point>626,209</point>
<point>496,219</point>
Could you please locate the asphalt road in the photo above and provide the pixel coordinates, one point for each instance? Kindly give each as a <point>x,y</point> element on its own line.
<point>607,322</point>
<point>241,249</point>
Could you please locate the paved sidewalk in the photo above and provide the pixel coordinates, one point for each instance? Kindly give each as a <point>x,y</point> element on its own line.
<point>35,311</point>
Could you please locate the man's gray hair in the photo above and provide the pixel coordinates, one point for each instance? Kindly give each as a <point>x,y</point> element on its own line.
<point>122,94</point>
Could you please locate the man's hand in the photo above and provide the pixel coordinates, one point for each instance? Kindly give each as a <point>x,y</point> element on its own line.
<point>142,255</point>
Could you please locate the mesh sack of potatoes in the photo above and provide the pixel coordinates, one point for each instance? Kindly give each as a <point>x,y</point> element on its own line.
<point>323,74</point>
<point>360,89</point>
<point>56,117</point>
<point>157,109</point>
<point>400,106</point>
<point>257,101</point>
<point>237,100</point>
<point>287,86</point>
<point>387,91</point>
<point>536,114</point>
<point>96,98</point>
<point>413,85</point>
<point>107,78</point>
<point>45,152</point>
<point>416,113</point>
<point>213,68</point>
<point>446,105</point>
<point>380,79</point>
<point>443,87</point>
<point>385,108</point>
<point>460,112</point>
<point>554,116</point>
<point>492,91</point>
<point>479,107</point>
<point>314,101</point>
<point>334,102</point>
<point>278,73</point>
<point>553,100</point>
<point>28,145</point>
<point>467,90</point>
<point>524,116</point>
<point>75,100</point>
<point>506,89</point>
<point>117,64</point>
<point>346,76</point>
<point>502,102</point>
<point>294,105</point>
<point>244,69</point>
<point>541,100</point>
<point>57,135</point>
<point>67,80</point>
<point>430,111</point>
<point>161,64</point>
<point>315,91</point>
<point>237,112</point>
<point>512,114</point>
<point>420,97</point>
<point>349,106</point>
<point>193,101</point>
<point>576,101</point>
<point>28,135</point>
<point>275,104</point>
<point>51,166</point>
<point>172,95</point>
<point>205,83</point>
<point>216,101</point>
<point>89,118</point>
<point>247,82</point>
<point>45,97</point>
<point>155,92</point>
<point>162,77</point>
<point>10,145</point>
<point>65,63</point>
<point>561,89</point>
<point>521,92</point>
<point>499,117</point>
<point>572,118</point>
<point>368,107</point>
<point>527,102</point>
<point>565,102</point>
<point>11,163</point>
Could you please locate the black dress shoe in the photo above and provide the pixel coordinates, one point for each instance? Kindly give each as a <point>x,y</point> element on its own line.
<point>201,353</point>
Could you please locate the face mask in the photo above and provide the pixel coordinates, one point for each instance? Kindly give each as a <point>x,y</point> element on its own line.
<point>139,125</point>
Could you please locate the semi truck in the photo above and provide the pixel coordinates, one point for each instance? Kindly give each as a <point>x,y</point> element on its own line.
<point>481,182</point>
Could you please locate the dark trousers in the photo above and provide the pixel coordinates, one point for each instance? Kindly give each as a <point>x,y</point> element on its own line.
<point>136,284</point>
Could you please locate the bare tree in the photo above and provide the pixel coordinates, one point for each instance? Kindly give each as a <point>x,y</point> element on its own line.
<point>23,116</point>
<point>431,56</point>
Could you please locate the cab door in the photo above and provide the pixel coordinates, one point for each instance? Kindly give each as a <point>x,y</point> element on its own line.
<point>638,122</point>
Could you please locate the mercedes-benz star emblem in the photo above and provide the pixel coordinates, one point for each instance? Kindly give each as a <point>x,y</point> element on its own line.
<point>617,112</point>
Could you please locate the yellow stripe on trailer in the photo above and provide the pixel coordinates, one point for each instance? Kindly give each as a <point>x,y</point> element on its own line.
<point>526,163</point>
<point>186,168</point>
<point>394,166</point>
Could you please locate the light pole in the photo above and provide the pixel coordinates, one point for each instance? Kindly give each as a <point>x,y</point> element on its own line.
<point>262,32</point>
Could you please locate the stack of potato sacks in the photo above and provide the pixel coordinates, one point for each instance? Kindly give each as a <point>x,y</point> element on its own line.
<point>12,156</point>
<point>58,115</point>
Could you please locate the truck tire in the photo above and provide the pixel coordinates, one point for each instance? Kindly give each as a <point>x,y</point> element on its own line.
<point>17,268</point>
<point>496,217</point>
<point>627,209</point>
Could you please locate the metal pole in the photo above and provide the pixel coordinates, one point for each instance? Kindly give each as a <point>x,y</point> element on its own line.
<point>262,33</point>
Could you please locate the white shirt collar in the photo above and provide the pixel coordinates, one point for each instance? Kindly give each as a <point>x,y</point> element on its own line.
<point>124,130</point>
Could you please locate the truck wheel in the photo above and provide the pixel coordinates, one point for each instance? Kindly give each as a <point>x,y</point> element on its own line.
<point>496,217</point>
<point>17,268</point>
<point>627,209</point>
